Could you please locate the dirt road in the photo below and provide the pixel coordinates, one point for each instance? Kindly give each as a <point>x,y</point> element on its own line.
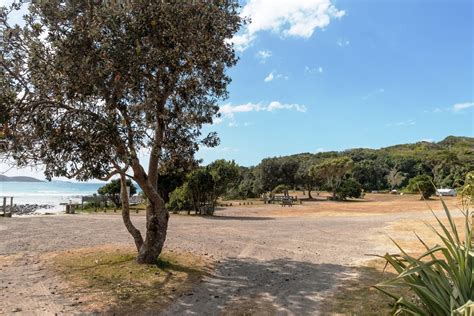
<point>265,265</point>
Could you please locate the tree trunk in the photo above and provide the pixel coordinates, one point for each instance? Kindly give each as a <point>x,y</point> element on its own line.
<point>156,228</point>
<point>309,194</point>
<point>137,236</point>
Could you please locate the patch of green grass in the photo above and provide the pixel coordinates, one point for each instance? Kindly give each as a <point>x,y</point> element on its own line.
<point>110,280</point>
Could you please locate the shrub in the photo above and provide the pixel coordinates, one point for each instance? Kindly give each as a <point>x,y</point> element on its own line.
<point>180,199</point>
<point>423,184</point>
<point>349,188</point>
<point>442,278</point>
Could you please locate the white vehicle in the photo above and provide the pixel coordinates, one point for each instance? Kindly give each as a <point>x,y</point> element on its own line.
<point>446,192</point>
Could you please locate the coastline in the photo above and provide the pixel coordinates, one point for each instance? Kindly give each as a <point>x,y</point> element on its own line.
<point>46,197</point>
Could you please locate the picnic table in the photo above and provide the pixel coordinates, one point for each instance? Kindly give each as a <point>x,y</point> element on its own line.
<point>287,202</point>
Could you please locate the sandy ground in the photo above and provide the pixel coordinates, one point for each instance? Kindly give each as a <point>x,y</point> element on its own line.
<point>269,260</point>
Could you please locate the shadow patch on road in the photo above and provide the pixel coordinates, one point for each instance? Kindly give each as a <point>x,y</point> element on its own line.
<point>252,287</point>
<point>238,218</point>
<point>357,296</point>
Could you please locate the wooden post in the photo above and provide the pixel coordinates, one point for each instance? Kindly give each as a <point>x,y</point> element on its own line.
<point>5,206</point>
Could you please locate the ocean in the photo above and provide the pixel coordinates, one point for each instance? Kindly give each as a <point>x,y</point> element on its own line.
<point>47,193</point>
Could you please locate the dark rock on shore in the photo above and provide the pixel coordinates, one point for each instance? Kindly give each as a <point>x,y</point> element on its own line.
<point>27,209</point>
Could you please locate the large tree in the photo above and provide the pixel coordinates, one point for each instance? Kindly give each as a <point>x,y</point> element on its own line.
<point>333,171</point>
<point>225,175</point>
<point>93,91</point>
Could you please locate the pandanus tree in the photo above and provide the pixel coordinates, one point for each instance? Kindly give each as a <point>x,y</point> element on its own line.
<point>96,89</point>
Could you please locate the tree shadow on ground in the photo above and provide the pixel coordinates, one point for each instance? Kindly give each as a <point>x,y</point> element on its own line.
<point>245,286</point>
<point>238,218</point>
<point>357,296</point>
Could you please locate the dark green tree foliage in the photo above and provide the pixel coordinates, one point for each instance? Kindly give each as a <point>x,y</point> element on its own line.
<point>112,191</point>
<point>89,87</point>
<point>349,188</point>
<point>334,171</point>
<point>274,171</point>
<point>303,176</point>
<point>422,184</point>
<point>172,174</point>
<point>201,185</point>
<point>248,185</point>
<point>180,199</point>
<point>204,186</point>
<point>371,174</point>
<point>225,175</point>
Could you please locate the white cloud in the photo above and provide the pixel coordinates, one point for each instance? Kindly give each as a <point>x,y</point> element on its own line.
<point>310,70</point>
<point>403,123</point>
<point>263,55</point>
<point>295,18</point>
<point>428,140</point>
<point>220,150</point>
<point>343,42</point>
<point>229,110</point>
<point>274,75</point>
<point>462,106</point>
<point>269,78</point>
<point>458,107</point>
<point>320,150</point>
<point>275,105</point>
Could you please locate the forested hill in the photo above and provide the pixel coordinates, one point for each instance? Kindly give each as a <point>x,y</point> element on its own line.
<point>456,144</point>
<point>446,162</point>
<point>18,179</point>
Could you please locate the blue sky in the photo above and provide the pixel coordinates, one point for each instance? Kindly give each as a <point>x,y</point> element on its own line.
<point>319,75</point>
<point>378,73</point>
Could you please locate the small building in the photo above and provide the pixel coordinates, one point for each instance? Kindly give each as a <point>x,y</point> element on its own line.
<point>446,192</point>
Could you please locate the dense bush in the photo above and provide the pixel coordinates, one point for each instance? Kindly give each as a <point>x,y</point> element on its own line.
<point>349,188</point>
<point>422,184</point>
<point>180,199</point>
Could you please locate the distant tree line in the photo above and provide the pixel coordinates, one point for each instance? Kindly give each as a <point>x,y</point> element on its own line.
<point>345,174</point>
<point>415,168</point>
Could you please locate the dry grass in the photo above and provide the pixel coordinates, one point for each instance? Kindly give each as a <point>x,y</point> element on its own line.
<point>108,280</point>
<point>372,204</point>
